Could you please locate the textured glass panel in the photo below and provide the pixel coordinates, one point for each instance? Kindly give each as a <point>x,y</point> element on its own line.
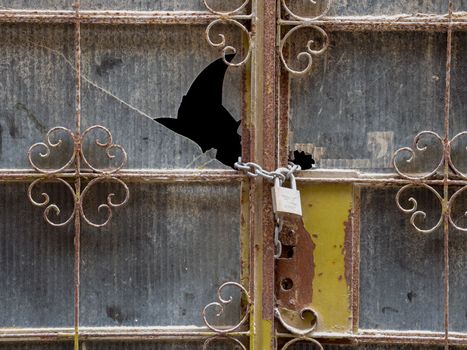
<point>36,4</point>
<point>368,95</point>
<point>162,257</point>
<point>160,5</point>
<point>401,283</point>
<point>36,261</point>
<point>304,346</point>
<point>368,7</point>
<point>151,68</point>
<point>36,87</point>
<point>458,112</point>
<point>458,268</point>
<point>36,346</point>
<point>217,345</point>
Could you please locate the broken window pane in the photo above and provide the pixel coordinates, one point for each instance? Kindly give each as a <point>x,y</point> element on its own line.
<point>133,75</point>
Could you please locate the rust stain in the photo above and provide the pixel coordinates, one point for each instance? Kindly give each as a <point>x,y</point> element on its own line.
<point>299,268</point>
<point>347,249</point>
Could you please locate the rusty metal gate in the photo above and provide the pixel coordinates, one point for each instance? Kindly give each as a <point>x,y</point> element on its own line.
<point>134,237</point>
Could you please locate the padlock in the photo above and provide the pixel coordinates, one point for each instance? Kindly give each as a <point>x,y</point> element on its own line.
<point>286,201</point>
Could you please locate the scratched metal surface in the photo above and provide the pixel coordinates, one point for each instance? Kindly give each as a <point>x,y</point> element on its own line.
<point>36,262</point>
<point>401,281</point>
<point>158,262</point>
<point>370,94</point>
<point>147,67</point>
<point>374,7</point>
<point>162,258</point>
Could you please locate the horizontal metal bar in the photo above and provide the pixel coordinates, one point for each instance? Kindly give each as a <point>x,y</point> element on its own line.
<point>156,175</point>
<point>400,22</point>
<point>208,175</point>
<point>112,333</point>
<point>201,333</point>
<point>385,337</point>
<point>112,17</point>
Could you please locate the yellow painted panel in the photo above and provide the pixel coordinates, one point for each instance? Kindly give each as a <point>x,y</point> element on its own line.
<point>326,214</point>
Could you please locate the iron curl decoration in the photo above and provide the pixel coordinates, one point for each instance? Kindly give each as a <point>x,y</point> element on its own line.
<point>219,338</point>
<point>304,55</point>
<point>52,207</point>
<point>306,19</point>
<point>222,43</point>
<point>295,330</point>
<point>451,163</point>
<point>109,147</point>
<point>47,146</point>
<point>56,175</point>
<point>220,305</point>
<point>450,205</point>
<point>302,339</point>
<point>412,155</point>
<point>109,205</point>
<point>226,13</point>
<point>414,205</point>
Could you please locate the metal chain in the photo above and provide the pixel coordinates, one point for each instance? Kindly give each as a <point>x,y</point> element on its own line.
<point>282,174</point>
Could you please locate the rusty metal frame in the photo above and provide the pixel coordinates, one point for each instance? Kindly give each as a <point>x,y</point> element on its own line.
<point>445,174</point>
<point>266,135</point>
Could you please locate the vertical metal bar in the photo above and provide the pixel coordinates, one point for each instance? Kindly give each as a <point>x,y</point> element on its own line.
<point>264,64</point>
<point>447,153</point>
<point>77,150</point>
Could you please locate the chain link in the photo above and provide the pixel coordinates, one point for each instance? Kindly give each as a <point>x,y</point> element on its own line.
<point>283,174</point>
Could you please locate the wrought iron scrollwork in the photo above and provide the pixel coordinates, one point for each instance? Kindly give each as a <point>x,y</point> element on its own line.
<point>303,334</point>
<point>53,175</point>
<point>231,18</point>
<point>298,23</point>
<point>309,53</point>
<point>418,213</point>
<point>47,146</point>
<point>450,206</point>
<point>444,163</point>
<point>222,44</point>
<point>110,203</point>
<point>109,147</point>
<point>52,208</point>
<point>295,330</point>
<point>220,306</point>
<point>412,154</point>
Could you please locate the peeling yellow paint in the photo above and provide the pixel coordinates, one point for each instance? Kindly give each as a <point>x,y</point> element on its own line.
<point>326,208</point>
